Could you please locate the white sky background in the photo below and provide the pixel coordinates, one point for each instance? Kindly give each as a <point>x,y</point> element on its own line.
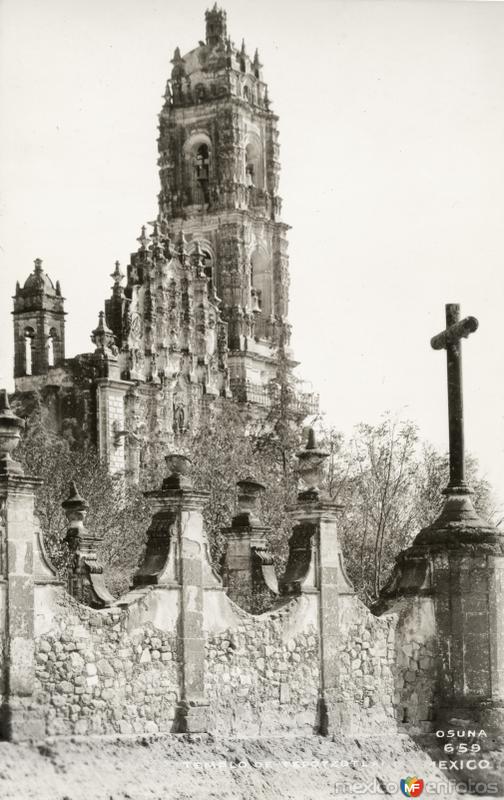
<point>392,151</point>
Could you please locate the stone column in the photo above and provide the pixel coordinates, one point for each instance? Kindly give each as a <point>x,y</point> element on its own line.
<point>177,554</point>
<point>19,718</point>
<point>248,570</point>
<point>315,565</point>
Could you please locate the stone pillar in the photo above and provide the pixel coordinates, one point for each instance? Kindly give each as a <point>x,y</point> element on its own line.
<point>112,435</point>
<point>459,562</point>
<point>110,399</point>
<point>315,565</point>
<point>177,555</point>
<point>19,718</point>
<point>248,570</point>
<point>85,578</point>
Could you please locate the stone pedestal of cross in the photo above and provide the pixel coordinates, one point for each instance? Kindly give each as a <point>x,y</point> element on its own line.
<point>450,340</point>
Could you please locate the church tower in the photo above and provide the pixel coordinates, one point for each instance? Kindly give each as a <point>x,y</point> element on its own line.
<point>39,326</point>
<point>219,171</point>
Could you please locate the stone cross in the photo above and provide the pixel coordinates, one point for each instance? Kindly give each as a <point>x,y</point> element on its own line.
<point>450,340</point>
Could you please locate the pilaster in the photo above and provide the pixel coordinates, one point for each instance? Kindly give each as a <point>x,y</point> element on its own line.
<point>18,715</point>
<point>177,556</point>
<point>315,565</point>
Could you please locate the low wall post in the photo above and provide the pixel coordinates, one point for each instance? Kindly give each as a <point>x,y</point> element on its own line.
<point>177,556</point>
<point>315,564</point>
<point>18,714</point>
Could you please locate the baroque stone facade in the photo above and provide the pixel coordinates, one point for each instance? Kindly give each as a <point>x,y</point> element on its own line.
<point>203,312</point>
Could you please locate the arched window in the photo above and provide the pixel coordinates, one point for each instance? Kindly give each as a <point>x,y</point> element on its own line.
<point>246,92</point>
<point>208,264</point>
<point>208,267</point>
<point>243,66</point>
<point>202,175</point>
<point>260,278</point>
<point>200,93</point>
<point>50,351</point>
<point>29,335</point>
<point>253,165</point>
<point>50,347</point>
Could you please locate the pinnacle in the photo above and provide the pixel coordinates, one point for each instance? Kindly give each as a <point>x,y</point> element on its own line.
<point>311,444</point>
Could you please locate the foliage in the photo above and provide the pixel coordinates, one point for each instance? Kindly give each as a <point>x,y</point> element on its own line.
<point>390,486</point>
<point>117,513</point>
<point>225,450</point>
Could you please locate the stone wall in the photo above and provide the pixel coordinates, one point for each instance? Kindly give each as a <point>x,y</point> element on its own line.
<point>415,660</point>
<point>97,675</point>
<point>262,674</point>
<point>118,670</point>
<point>177,654</point>
<point>366,665</point>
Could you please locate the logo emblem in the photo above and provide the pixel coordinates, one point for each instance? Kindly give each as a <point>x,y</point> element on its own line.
<point>412,786</point>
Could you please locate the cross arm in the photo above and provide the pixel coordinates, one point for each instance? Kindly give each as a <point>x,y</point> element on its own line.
<point>455,332</point>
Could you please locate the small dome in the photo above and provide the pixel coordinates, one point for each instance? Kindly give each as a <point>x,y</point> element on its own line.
<point>38,280</point>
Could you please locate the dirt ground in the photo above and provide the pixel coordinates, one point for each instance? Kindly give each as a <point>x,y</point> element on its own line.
<point>203,767</point>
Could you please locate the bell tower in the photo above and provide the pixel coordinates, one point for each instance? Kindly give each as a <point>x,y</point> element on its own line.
<point>219,171</point>
<point>39,325</point>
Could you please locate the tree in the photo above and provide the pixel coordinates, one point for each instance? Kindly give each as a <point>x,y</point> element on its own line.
<point>223,452</point>
<point>117,512</point>
<point>391,486</point>
<point>279,433</point>
<point>434,477</point>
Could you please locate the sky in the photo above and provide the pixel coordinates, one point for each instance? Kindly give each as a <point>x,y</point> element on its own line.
<point>391,133</point>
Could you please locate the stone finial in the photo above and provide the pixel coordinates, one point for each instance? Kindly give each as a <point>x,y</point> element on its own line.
<point>117,275</point>
<point>177,58</point>
<point>182,248</point>
<point>256,63</point>
<point>85,580</point>
<point>143,238</point>
<point>249,494</point>
<point>267,102</point>
<point>310,467</point>
<point>10,434</point>
<point>103,338</point>
<point>180,467</point>
<point>75,506</point>
<point>155,246</point>
<point>38,266</point>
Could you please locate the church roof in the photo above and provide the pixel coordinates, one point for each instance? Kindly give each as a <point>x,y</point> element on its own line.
<point>39,281</point>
